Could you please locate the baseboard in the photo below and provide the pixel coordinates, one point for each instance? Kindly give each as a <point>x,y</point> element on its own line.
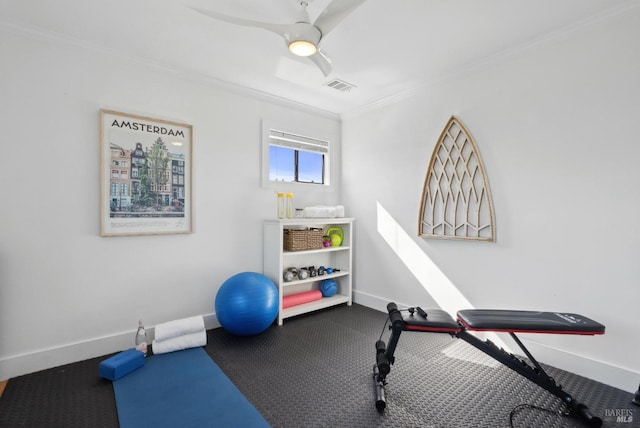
<point>617,377</point>
<point>374,302</point>
<point>73,352</point>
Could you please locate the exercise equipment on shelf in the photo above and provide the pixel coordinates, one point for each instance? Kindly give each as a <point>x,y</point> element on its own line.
<point>301,298</point>
<point>293,274</point>
<point>336,235</point>
<point>328,287</point>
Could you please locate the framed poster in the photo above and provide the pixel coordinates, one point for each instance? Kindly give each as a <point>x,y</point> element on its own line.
<point>145,175</point>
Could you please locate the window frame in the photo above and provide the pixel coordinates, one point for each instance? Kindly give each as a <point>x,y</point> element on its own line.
<point>305,132</point>
<point>296,164</point>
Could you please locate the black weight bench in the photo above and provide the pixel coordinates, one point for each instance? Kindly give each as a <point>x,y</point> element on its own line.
<point>505,321</point>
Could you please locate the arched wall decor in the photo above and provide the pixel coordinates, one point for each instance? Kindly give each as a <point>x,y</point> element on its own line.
<point>456,202</point>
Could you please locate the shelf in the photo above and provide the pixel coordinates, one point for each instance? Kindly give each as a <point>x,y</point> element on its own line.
<point>319,250</point>
<point>315,278</point>
<point>325,302</point>
<point>276,261</point>
<point>309,221</point>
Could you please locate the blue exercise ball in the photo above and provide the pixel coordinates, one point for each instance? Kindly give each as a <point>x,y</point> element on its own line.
<point>247,303</point>
<point>328,287</point>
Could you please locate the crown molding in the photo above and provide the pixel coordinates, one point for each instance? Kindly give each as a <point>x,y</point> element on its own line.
<point>181,73</point>
<point>467,69</point>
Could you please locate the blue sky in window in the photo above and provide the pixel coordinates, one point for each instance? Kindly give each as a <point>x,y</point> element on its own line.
<point>282,165</point>
<point>310,165</point>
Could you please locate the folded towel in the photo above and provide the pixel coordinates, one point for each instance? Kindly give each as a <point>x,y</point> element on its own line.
<point>322,211</point>
<point>186,341</point>
<point>171,329</point>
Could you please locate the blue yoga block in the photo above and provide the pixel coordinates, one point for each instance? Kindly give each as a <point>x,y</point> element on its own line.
<point>121,364</point>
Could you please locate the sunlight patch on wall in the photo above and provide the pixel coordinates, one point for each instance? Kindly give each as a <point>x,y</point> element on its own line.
<point>420,265</point>
<point>434,281</point>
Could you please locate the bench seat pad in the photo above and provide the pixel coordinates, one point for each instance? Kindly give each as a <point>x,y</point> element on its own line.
<point>437,321</point>
<point>528,322</point>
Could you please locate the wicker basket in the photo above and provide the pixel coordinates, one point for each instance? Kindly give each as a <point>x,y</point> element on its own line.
<point>302,239</point>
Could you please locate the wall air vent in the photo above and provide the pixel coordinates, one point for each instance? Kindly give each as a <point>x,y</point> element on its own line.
<point>340,85</point>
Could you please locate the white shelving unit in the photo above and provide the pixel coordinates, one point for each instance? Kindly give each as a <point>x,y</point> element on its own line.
<point>277,261</point>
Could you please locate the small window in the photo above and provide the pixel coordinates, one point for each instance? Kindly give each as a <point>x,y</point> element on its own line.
<point>297,159</point>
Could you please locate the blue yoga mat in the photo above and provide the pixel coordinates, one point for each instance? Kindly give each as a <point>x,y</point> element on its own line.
<point>182,389</point>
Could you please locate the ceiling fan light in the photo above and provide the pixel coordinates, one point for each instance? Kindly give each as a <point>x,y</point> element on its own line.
<point>302,48</point>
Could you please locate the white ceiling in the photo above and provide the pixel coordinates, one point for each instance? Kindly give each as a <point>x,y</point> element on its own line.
<point>384,48</point>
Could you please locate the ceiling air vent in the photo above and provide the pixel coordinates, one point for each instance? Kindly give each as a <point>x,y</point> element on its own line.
<point>340,85</point>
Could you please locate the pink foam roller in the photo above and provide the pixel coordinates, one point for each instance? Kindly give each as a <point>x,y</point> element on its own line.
<point>300,298</point>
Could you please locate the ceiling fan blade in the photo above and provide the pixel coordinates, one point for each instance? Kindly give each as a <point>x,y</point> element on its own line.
<point>322,61</point>
<point>334,13</point>
<point>280,29</point>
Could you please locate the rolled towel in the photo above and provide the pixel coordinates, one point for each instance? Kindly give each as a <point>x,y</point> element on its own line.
<point>190,340</point>
<point>177,328</point>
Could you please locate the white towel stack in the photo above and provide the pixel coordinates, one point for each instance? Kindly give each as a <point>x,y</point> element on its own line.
<point>323,211</point>
<point>179,334</point>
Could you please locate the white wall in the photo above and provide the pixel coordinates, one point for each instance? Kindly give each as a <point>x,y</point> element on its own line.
<point>66,293</point>
<point>556,127</point>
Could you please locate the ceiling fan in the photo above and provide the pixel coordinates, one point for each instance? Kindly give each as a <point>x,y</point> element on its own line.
<point>302,37</point>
